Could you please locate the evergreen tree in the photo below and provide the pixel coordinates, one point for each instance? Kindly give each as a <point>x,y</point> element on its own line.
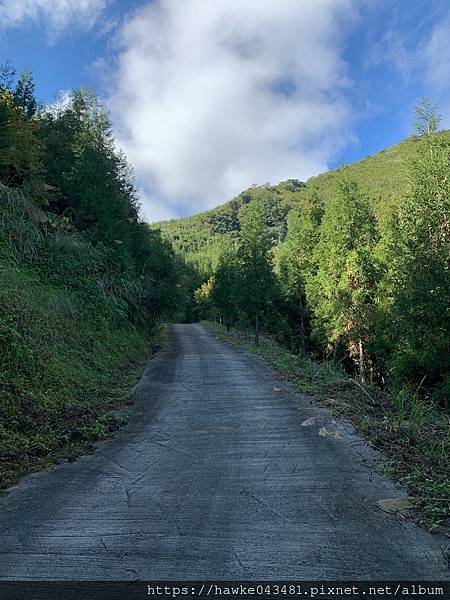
<point>7,75</point>
<point>341,292</point>
<point>94,188</point>
<point>20,150</point>
<point>93,179</point>
<point>225,293</point>
<point>294,264</point>
<point>257,279</point>
<point>24,93</point>
<point>416,254</point>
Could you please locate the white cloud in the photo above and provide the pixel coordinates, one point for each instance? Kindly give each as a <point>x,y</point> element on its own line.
<point>210,97</point>
<point>58,15</point>
<point>436,60</point>
<point>391,51</point>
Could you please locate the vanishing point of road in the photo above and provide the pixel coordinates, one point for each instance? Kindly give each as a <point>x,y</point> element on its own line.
<point>214,478</point>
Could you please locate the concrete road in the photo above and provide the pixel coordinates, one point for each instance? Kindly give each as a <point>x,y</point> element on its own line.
<point>214,478</point>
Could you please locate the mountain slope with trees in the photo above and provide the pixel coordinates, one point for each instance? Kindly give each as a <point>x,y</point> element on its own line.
<point>83,281</point>
<point>199,238</point>
<point>383,177</point>
<point>359,256</point>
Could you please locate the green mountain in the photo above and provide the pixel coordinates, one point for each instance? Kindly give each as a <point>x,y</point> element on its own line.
<point>199,238</point>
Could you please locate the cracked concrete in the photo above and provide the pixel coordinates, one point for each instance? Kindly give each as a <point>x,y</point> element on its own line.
<point>214,478</point>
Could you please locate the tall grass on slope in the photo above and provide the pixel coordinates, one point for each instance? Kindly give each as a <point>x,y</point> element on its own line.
<point>68,354</point>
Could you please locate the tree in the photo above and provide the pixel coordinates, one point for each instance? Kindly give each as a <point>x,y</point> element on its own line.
<point>225,293</point>
<point>94,181</point>
<point>416,255</point>
<point>203,299</point>
<point>24,93</point>
<point>294,265</point>
<point>342,290</point>
<point>7,75</point>
<point>94,190</point>
<point>257,279</point>
<point>20,150</point>
<point>427,120</point>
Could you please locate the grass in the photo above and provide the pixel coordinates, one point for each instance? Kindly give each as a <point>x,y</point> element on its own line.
<point>69,352</point>
<point>412,434</point>
<point>75,391</point>
<point>65,374</point>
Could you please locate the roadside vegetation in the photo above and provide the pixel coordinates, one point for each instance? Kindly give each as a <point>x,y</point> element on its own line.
<point>357,277</point>
<point>84,283</point>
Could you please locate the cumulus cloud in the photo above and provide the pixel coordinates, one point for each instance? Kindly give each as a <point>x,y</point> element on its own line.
<point>57,15</point>
<point>211,97</point>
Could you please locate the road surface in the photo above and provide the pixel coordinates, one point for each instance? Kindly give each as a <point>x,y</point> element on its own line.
<point>214,478</point>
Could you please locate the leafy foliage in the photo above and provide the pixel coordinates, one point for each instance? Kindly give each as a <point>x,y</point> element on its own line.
<point>415,254</point>
<point>20,150</point>
<point>24,94</point>
<point>225,293</point>
<point>294,264</point>
<point>256,276</point>
<point>200,239</point>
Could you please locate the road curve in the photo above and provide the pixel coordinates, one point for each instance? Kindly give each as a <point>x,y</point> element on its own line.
<point>214,478</point>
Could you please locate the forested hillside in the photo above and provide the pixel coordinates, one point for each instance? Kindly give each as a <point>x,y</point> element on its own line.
<point>352,264</point>
<point>198,238</point>
<point>350,267</point>
<point>83,281</point>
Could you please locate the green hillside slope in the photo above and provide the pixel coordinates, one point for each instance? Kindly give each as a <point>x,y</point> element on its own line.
<point>84,283</point>
<point>198,238</point>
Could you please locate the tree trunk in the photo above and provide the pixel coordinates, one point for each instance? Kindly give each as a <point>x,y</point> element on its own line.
<point>257,329</point>
<point>361,360</point>
<point>302,327</point>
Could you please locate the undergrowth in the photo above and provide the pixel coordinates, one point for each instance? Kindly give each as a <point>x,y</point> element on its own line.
<point>68,355</point>
<point>412,434</point>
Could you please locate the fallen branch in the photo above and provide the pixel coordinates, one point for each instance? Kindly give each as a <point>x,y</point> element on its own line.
<point>437,499</point>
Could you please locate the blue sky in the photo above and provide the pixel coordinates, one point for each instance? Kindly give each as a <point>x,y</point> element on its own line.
<point>208,98</point>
